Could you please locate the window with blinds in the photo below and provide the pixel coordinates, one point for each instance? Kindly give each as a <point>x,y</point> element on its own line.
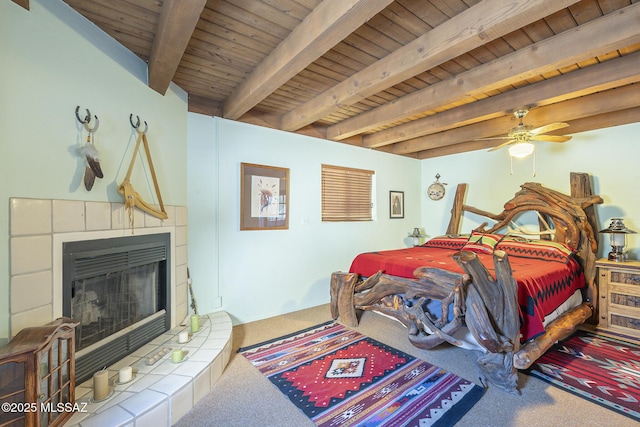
<point>346,194</point>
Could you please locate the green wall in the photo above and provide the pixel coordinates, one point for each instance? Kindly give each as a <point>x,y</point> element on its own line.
<point>52,61</point>
<point>254,274</point>
<point>608,155</point>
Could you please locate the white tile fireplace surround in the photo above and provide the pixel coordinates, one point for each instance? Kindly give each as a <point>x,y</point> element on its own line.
<point>38,229</point>
<point>160,393</point>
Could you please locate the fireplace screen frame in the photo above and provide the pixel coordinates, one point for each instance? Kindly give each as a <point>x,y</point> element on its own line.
<point>101,256</point>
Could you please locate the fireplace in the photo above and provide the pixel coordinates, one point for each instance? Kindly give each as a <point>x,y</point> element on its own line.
<point>40,228</point>
<point>117,290</point>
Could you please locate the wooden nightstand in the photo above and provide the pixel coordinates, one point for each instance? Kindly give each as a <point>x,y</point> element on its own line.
<point>619,288</point>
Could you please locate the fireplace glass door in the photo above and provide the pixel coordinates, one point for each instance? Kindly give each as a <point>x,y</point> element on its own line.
<point>118,291</point>
<point>106,304</point>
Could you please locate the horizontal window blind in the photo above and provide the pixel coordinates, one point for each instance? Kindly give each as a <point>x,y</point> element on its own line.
<point>346,194</point>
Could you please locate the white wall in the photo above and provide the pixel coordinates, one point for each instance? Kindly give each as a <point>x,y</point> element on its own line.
<point>268,272</point>
<point>52,61</point>
<point>609,155</point>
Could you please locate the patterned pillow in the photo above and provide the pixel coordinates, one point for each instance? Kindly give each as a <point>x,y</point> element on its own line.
<point>482,243</point>
<point>537,249</point>
<point>450,241</point>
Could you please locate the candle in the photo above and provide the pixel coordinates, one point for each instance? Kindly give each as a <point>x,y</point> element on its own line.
<point>195,323</point>
<point>177,355</point>
<point>183,337</point>
<point>100,385</point>
<point>125,374</point>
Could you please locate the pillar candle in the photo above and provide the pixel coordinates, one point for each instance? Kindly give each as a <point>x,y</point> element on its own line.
<point>177,355</point>
<point>195,323</point>
<point>125,374</point>
<point>100,385</point>
<point>183,337</point>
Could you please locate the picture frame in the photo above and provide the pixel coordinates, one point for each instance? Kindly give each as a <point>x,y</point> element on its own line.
<point>264,197</point>
<point>396,204</point>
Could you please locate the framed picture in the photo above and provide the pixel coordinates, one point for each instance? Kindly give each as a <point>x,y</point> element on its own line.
<point>396,204</point>
<point>264,197</point>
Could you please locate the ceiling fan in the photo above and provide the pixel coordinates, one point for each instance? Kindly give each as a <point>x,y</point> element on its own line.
<point>522,135</point>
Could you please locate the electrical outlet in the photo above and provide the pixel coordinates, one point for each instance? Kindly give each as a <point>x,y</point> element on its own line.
<point>217,302</point>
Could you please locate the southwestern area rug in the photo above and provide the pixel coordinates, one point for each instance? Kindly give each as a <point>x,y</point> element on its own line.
<point>598,368</point>
<point>339,377</point>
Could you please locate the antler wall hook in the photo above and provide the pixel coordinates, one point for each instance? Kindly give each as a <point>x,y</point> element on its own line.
<point>86,119</point>
<point>93,129</point>
<point>136,126</point>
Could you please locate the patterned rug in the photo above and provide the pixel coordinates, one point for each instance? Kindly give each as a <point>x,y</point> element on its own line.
<point>598,368</point>
<point>339,377</point>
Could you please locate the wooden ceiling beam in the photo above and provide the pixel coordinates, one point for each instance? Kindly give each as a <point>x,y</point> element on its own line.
<point>329,23</point>
<point>204,105</point>
<point>178,19</point>
<point>485,21</point>
<point>23,3</point>
<point>605,120</point>
<point>594,38</point>
<point>598,103</point>
<point>607,75</point>
<point>598,121</point>
<point>271,120</point>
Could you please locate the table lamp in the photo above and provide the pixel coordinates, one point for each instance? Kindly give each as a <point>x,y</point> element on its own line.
<point>618,239</point>
<point>416,236</point>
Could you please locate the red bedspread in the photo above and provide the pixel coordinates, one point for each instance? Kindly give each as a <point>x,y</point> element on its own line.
<point>542,285</point>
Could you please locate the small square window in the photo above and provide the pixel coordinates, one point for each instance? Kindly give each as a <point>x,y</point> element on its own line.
<point>346,194</point>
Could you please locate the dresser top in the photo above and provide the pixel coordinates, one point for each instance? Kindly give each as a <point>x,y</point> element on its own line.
<point>626,265</point>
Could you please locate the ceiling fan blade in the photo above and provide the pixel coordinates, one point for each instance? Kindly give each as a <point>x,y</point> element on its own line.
<point>548,128</point>
<point>488,139</point>
<point>552,138</point>
<point>502,145</point>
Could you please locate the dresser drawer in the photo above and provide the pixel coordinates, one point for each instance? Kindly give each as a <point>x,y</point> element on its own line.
<point>624,277</point>
<point>624,322</point>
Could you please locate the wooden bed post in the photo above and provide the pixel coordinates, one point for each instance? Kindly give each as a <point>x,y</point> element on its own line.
<point>492,306</point>
<point>456,210</point>
<point>581,188</point>
<point>341,291</point>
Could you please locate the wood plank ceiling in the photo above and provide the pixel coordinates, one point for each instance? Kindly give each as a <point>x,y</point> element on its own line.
<point>420,78</point>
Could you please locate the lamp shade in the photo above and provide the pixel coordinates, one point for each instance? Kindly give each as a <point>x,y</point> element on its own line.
<point>521,149</point>
<point>617,227</point>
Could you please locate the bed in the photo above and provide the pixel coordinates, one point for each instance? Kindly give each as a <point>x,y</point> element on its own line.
<point>493,290</point>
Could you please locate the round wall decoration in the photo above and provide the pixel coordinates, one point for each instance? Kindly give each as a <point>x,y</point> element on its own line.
<point>436,190</point>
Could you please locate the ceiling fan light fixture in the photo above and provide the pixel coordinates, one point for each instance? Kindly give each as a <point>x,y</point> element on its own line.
<point>521,149</point>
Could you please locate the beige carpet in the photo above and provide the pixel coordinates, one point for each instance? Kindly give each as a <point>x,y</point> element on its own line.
<point>244,398</point>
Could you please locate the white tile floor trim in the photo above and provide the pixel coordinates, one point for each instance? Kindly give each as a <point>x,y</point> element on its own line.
<point>160,394</point>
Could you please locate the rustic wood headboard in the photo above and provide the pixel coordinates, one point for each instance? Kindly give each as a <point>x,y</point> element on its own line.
<point>573,217</point>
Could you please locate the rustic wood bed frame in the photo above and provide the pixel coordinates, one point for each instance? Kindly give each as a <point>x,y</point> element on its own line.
<point>487,306</point>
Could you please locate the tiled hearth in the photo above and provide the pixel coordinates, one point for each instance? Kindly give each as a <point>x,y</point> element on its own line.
<point>38,228</point>
<point>160,394</point>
